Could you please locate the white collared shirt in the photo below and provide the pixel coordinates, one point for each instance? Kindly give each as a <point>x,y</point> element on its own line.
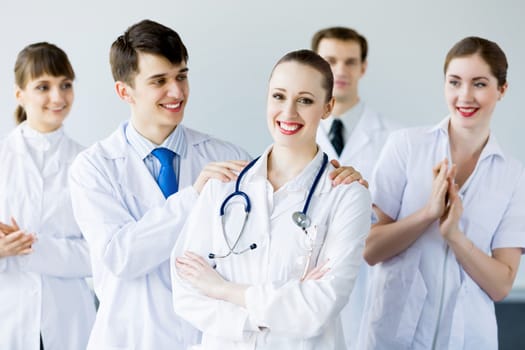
<point>422,297</point>
<point>350,118</point>
<point>175,142</point>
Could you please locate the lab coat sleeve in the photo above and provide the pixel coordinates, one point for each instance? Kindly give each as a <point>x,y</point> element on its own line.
<point>59,257</point>
<point>128,247</point>
<point>389,177</point>
<point>511,230</point>
<point>302,309</point>
<point>215,317</point>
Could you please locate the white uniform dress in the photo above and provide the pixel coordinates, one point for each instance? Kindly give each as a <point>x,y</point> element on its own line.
<point>131,229</point>
<point>365,134</point>
<point>44,292</point>
<point>422,298</point>
<point>281,312</point>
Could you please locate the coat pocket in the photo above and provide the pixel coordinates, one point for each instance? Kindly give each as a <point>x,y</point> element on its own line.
<point>398,296</point>
<point>412,309</point>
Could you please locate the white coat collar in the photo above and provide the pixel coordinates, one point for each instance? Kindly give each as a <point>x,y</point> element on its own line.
<point>296,190</point>
<point>115,146</point>
<point>134,175</point>
<point>175,142</point>
<point>368,118</point>
<point>301,183</point>
<point>41,141</point>
<point>367,125</point>
<point>492,148</point>
<point>65,154</point>
<point>371,120</point>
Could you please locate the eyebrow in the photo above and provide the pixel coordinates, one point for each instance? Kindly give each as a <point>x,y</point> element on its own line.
<point>300,92</point>
<point>48,80</point>
<point>161,75</point>
<point>475,78</point>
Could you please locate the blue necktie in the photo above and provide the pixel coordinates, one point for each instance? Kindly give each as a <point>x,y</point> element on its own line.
<point>167,179</point>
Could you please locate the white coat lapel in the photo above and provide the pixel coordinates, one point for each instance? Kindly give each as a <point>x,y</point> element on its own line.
<point>191,164</point>
<point>257,179</point>
<point>136,179</point>
<point>30,184</point>
<point>194,160</point>
<point>133,175</point>
<point>294,202</point>
<point>19,147</point>
<point>61,158</point>
<point>259,229</point>
<point>296,197</point>
<point>325,144</point>
<point>360,136</point>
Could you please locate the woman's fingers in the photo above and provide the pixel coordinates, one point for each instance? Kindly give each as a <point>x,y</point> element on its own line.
<point>6,229</point>
<point>20,241</point>
<point>16,243</point>
<point>15,224</point>
<point>438,168</point>
<point>191,263</point>
<point>317,272</point>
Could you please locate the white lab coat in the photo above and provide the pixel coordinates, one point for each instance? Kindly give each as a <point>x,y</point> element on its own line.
<point>361,151</point>
<point>411,289</point>
<point>43,292</point>
<point>363,147</point>
<point>294,314</point>
<point>131,229</point>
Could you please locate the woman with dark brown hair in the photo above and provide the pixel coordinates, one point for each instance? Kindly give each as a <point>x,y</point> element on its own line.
<point>451,210</point>
<point>278,276</point>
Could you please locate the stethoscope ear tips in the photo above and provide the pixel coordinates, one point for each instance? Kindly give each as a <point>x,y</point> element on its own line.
<point>211,256</point>
<point>253,246</point>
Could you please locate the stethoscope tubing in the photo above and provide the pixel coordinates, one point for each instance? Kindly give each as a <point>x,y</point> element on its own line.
<point>248,207</point>
<point>314,184</point>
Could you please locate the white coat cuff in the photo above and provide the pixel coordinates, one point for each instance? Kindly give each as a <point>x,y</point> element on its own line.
<point>238,323</point>
<point>255,311</point>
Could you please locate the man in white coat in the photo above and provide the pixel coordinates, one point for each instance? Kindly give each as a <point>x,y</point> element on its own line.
<point>353,134</point>
<point>128,210</point>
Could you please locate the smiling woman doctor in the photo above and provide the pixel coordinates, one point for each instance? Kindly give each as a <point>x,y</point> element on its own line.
<point>286,245</point>
<point>45,301</point>
<point>451,208</point>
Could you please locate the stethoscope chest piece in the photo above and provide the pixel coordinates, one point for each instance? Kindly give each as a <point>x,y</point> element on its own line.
<point>301,219</point>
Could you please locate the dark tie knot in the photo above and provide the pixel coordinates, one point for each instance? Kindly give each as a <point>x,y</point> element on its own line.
<point>337,126</point>
<point>164,155</point>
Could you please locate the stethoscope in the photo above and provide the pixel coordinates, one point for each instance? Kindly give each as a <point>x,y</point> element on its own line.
<point>300,218</point>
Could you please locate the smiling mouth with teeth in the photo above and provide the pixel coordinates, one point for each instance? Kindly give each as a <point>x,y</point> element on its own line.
<point>289,127</point>
<point>172,105</point>
<point>467,111</point>
<point>57,109</point>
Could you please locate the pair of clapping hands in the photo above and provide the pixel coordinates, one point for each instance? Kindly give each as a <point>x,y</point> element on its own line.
<point>14,241</point>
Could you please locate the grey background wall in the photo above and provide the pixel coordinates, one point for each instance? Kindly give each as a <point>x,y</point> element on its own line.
<point>234,44</point>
